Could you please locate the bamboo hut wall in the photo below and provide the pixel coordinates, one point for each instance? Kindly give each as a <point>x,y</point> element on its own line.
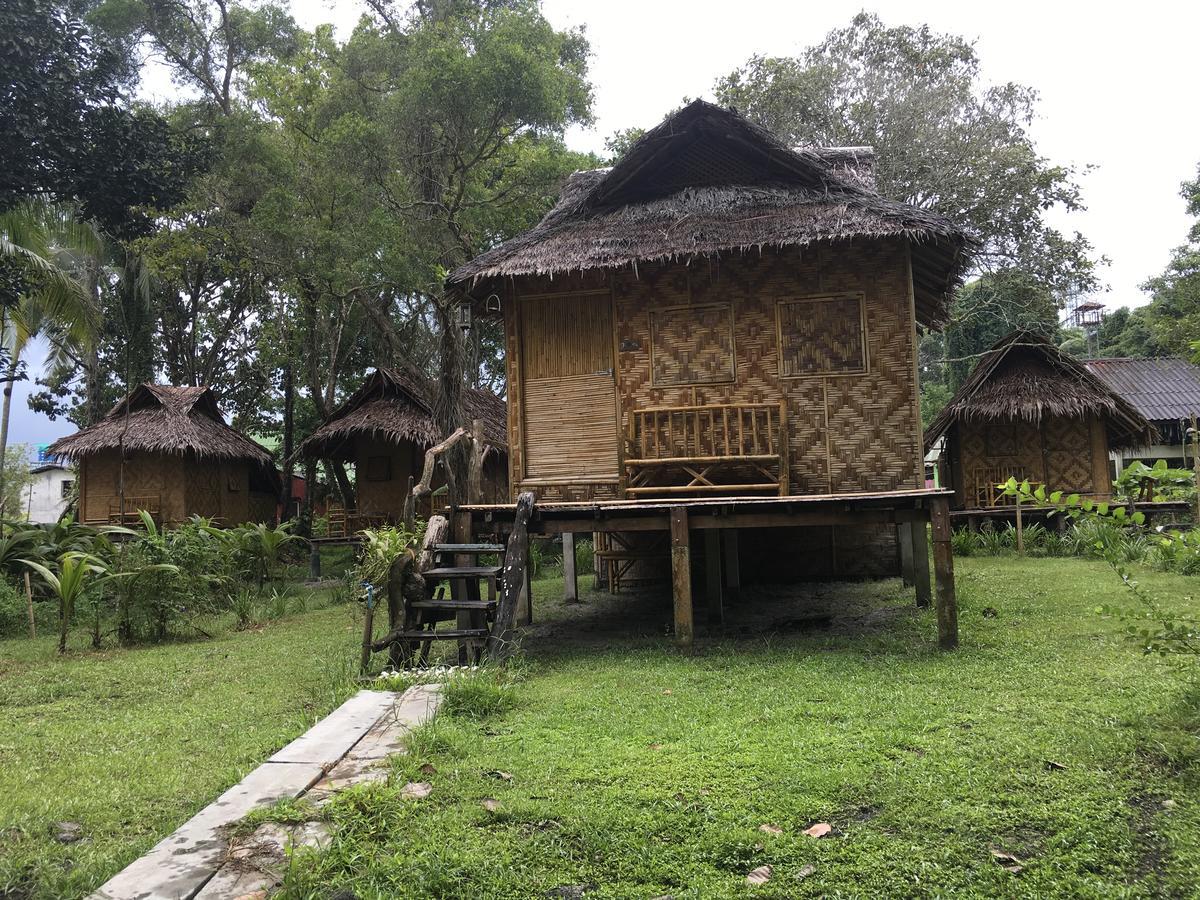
<point>858,431</point>
<point>1061,453</point>
<point>146,475</point>
<point>385,496</point>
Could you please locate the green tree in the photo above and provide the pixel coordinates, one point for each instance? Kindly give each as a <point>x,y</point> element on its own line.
<point>1174,310</point>
<point>70,134</point>
<point>943,139</point>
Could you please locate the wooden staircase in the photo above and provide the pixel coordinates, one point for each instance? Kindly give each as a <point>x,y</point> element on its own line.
<point>482,603</point>
<point>474,593</point>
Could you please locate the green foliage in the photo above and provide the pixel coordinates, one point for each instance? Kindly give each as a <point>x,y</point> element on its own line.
<point>1118,538</point>
<point>14,611</point>
<point>381,548</point>
<point>916,95</point>
<point>256,545</point>
<point>70,133</point>
<point>1140,482</point>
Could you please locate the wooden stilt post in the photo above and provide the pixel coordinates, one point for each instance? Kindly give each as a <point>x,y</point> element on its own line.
<point>733,564</point>
<point>714,584</point>
<point>570,579</point>
<point>364,662</point>
<point>465,618</point>
<point>904,540</point>
<point>920,557</point>
<point>314,561</point>
<point>943,568</point>
<point>681,576</point>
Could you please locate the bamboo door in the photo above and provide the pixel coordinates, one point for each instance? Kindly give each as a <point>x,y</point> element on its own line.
<point>570,426</point>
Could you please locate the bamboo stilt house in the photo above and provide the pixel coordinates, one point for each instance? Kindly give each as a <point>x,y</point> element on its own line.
<point>1028,410</point>
<point>168,450</point>
<point>383,430</point>
<point>717,317</point>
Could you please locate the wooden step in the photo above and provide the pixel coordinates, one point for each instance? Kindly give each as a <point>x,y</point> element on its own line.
<point>468,548</point>
<point>463,572</point>
<point>485,605</point>
<point>455,634</point>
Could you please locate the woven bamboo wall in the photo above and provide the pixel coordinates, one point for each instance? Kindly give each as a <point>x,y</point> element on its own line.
<point>847,432</point>
<point>386,498</point>
<point>1063,454</point>
<point>145,475</point>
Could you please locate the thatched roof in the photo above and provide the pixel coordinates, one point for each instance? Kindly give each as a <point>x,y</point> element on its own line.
<point>708,181</point>
<point>398,406</point>
<point>1025,376</point>
<point>176,421</point>
<point>1163,390</point>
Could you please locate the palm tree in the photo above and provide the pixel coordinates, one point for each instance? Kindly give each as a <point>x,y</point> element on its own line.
<point>47,244</point>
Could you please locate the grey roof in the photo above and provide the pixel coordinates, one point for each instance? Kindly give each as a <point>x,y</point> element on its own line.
<point>1162,390</point>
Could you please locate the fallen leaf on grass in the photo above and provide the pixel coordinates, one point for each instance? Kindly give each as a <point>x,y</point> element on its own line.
<point>819,830</point>
<point>761,875</point>
<point>490,804</point>
<point>656,746</point>
<point>496,773</point>
<point>416,790</point>
<point>805,872</point>
<point>668,692</point>
<point>428,769</point>
<point>770,829</point>
<point>1007,861</point>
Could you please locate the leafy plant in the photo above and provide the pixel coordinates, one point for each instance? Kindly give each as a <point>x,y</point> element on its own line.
<point>243,604</point>
<point>381,547</point>
<point>78,574</point>
<point>1139,482</point>
<point>1151,626</point>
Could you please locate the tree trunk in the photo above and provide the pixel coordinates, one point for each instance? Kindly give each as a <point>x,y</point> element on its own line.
<point>448,408</point>
<point>289,405</point>
<point>10,375</point>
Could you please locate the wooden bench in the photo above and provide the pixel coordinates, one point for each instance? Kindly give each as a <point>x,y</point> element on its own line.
<point>134,505</point>
<point>729,448</point>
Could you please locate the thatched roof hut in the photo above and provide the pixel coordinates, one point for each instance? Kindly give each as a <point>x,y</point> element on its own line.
<point>395,406</point>
<point>180,457</point>
<point>1024,376</point>
<point>1030,410</point>
<point>709,181</point>
<point>384,428</point>
<point>174,420</point>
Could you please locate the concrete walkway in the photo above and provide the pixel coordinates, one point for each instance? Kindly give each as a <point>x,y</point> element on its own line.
<point>349,746</point>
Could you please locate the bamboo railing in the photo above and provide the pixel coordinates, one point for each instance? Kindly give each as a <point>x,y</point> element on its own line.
<point>706,441</point>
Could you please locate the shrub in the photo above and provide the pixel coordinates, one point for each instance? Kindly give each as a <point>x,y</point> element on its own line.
<point>381,548</point>
<point>14,611</point>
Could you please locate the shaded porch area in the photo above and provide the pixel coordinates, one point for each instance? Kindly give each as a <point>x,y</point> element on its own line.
<point>707,528</point>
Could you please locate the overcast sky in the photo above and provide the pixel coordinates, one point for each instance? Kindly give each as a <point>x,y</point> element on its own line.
<point>1118,92</point>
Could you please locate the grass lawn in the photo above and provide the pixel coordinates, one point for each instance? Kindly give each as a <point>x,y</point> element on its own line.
<point>643,773</point>
<point>130,743</point>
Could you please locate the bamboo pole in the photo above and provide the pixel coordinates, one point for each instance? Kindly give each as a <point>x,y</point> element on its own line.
<point>29,603</point>
<point>1020,530</point>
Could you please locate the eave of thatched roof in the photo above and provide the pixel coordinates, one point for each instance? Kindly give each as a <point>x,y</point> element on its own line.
<point>708,181</point>
<point>397,406</point>
<point>1025,376</point>
<point>156,418</point>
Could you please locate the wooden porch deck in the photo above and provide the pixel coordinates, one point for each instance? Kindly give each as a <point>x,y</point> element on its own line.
<point>907,510</point>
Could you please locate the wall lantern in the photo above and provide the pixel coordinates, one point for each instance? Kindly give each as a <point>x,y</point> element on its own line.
<point>463,316</point>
